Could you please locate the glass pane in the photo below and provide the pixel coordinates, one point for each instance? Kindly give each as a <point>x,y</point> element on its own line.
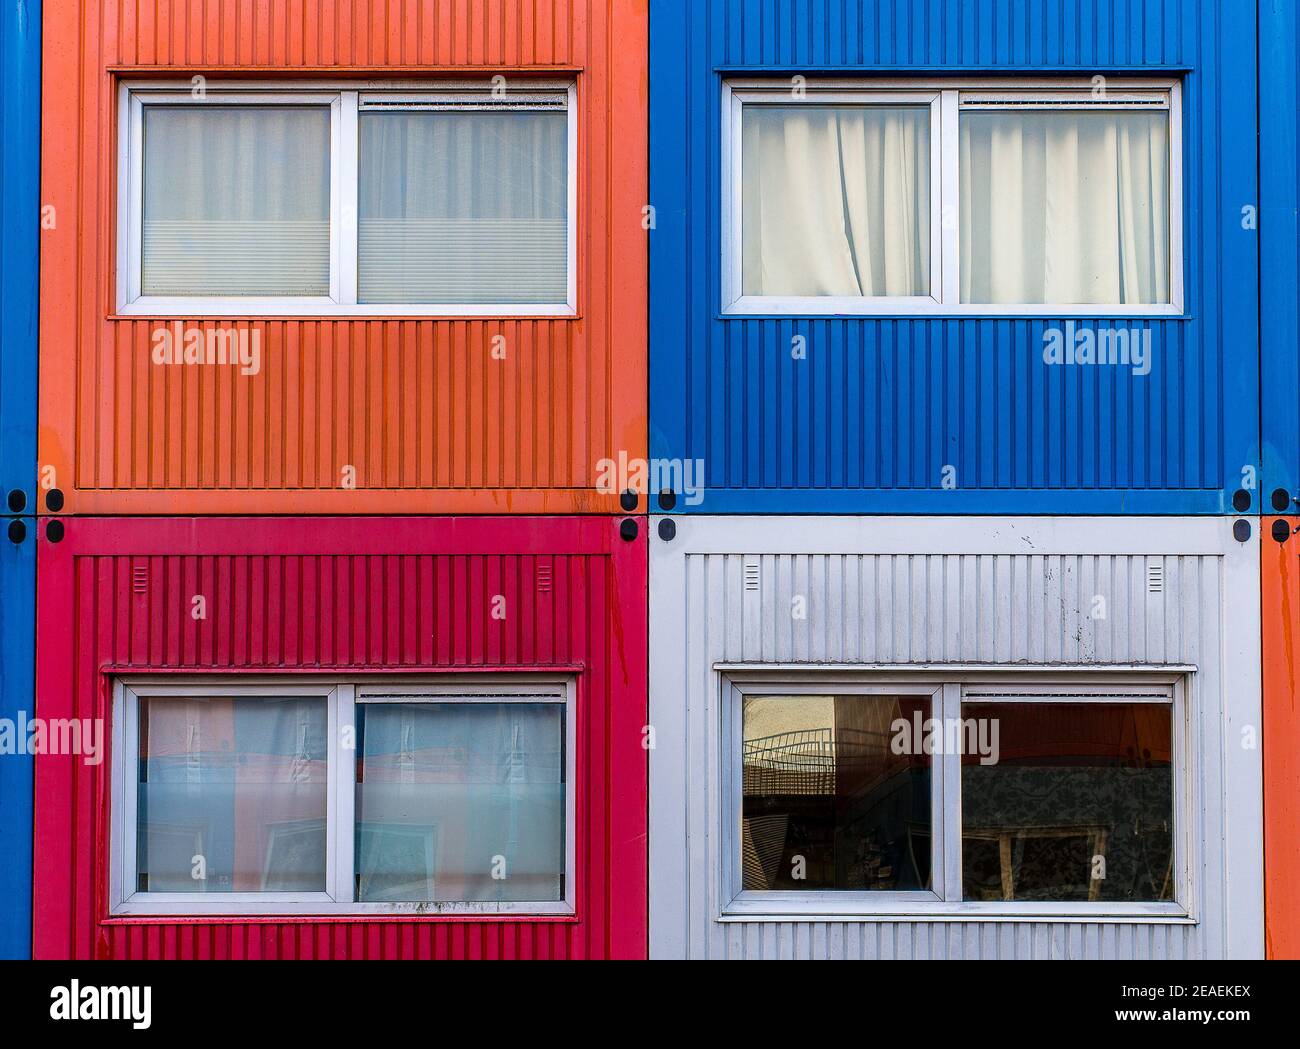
<point>1076,805</point>
<point>828,803</point>
<point>232,794</point>
<point>1065,206</point>
<point>460,802</point>
<point>463,208</point>
<point>236,200</point>
<point>835,200</point>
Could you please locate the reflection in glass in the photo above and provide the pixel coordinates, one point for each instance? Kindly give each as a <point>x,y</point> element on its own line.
<point>460,802</point>
<point>827,802</point>
<point>232,794</point>
<point>1079,806</point>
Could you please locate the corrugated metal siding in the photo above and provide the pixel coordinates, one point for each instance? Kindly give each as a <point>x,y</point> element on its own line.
<point>350,596</point>
<point>935,591</point>
<point>17,705</point>
<point>1281,598</point>
<point>1279,234</point>
<point>867,423</point>
<point>20,124</point>
<point>430,421</point>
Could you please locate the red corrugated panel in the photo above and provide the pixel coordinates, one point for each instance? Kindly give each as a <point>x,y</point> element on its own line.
<point>355,596</point>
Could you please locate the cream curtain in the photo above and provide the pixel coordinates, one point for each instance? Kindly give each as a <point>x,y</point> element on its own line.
<point>463,207</point>
<point>836,200</point>
<point>236,200</point>
<point>1065,206</point>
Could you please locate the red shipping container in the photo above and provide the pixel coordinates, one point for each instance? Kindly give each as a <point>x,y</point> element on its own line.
<point>1280,595</point>
<point>466,606</point>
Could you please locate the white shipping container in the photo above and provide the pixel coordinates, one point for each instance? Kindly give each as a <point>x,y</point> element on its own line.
<point>1103,674</point>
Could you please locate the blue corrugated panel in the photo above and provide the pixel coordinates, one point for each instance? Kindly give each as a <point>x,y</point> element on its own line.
<point>1279,198</point>
<point>20,153</point>
<point>17,657</point>
<point>869,420</point>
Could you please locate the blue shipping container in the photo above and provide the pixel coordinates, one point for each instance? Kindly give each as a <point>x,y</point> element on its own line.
<point>950,413</point>
<point>1279,192</point>
<point>20,162</point>
<point>17,706</point>
<point>20,92</point>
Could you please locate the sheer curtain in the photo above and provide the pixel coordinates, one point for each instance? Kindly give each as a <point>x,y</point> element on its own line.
<point>460,802</point>
<point>463,207</point>
<point>1065,206</point>
<point>242,783</point>
<point>836,200</point>
<point>236,200</point>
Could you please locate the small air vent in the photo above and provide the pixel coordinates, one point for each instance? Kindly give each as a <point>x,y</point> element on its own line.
<point>544,579</point>
<point>1155,579</point>
<point>507,101</point>
<point>1071,103</point>
<point>140,579</point>
<point>751,575</point>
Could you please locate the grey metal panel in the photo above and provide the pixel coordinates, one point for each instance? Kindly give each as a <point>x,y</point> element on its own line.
<point>944,592</point>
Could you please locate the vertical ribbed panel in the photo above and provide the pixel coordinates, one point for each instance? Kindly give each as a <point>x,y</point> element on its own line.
<point>17,706</point>
<point>346,597</point>
<point>492,414</point>
<point>983,602</point>
<point>20,213</point>
<point>879,413</point>
<point>1279,245</point>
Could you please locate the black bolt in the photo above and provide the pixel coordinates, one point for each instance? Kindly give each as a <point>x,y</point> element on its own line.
<point>17,531</point>
<point>17,501</point>
<point>1281,531</point>
<point>1241,500</point>
<point>627,530</point>
<point>54,500</point>
<point>627,501</point>
<point>667,499</point>
<point>668,530</point>
<point>1241,531</point>
<point>1281,500</point>
<point>54,531</point>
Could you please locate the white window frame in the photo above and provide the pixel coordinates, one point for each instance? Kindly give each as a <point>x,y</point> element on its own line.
<point>345,100</point>
<point>950,690</point>
<point>342,697</point>
<point>947,99</point>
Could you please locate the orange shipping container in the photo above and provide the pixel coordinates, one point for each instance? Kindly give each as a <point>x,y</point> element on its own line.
<point>1280,594</point>
<point>363,398</point>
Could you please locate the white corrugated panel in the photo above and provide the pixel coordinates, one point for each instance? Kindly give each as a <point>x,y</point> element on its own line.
<point>942,593</point>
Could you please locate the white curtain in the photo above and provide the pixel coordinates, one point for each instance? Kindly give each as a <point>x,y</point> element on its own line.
<point>236,200</point>
<point>460,802</point>
<point>243,783</point>
<point>836,200</point>
<point>1065,206</point>
<point>463,207</point>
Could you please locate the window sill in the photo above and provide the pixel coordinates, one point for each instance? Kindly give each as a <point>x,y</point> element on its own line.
<point>1092,914</point>
<point>261,309</point>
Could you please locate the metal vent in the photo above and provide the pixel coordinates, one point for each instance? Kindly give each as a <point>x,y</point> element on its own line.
<point>751,575</point>
<point>544,579</point>
<point>140,579</point>
<point>1155,579</point>
<point>1071,103</point>
<point>554,104</point>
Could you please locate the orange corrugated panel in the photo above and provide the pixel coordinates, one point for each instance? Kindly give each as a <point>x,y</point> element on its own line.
<point>428,418</point>
<point>1280,593</point>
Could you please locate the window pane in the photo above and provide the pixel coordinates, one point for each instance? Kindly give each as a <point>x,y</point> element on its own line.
<point>463,207</point>
<point>1065,206</point>
<point>232,795</point>
<point>835,200</point>
<point>1078,806</point>
<point>828,804</point>
<point>236,200</point>
<point>460,802</point>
